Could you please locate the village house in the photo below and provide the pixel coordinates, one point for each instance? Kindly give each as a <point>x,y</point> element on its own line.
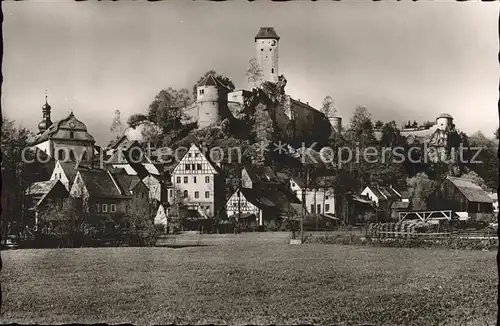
<point>106,193</point>
<point>262,199</point>
<point>197,183</point>
<point>389,200</point>
<point>44,194</point>
<point>464,197</point>
<point>319,197</point>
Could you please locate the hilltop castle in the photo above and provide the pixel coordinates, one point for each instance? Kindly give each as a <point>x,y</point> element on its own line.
<point>215,102</point>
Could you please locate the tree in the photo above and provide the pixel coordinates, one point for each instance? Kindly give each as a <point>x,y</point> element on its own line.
<point>485,164</point>
<point>474,177</point>
<point>379,124</point>
<point>391,135</point>
<point>65,221</point>
<point>420,188</point>
<point>223,79</point>
<point>166,111</point>
<point>17,174</point>
<point>328,107</point>
<point>135,119</point>
<point>361,126</point>
<point>254,72</point>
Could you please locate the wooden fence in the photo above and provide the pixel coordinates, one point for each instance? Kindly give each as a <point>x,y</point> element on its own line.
<point>401,230</point>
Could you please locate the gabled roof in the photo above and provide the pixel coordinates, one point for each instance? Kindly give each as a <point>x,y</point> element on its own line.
<point>210,80</point>
<point>261,174</point>
<point>44,188</point>
<point>127,182</point>
<point>267,32</point>
<point>193,149</point>
<point>472,191</point>
<point>41,187</point>
<point>100,184</point>
<point>384,193</point>
<point>270,197</point>
<point>70,170</point>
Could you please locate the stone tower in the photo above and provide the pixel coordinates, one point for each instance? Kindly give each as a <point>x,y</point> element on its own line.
<point>211,101</point>
<point>266,44</point>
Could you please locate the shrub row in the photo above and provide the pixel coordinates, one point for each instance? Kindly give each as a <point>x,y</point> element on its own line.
<point>449,243</point>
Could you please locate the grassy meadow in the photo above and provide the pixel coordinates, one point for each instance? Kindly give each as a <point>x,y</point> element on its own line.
<point>249,283</point>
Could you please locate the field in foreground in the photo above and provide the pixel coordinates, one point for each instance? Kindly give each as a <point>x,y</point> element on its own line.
<point>249,284</point>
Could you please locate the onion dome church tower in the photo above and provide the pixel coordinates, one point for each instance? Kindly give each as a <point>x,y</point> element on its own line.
<point>46,122</point>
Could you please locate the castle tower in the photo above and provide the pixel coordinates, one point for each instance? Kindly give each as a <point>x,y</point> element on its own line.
<point>444,121</point>
<point>211,100</point>
<point>46,122</point>
<point>266,43</point>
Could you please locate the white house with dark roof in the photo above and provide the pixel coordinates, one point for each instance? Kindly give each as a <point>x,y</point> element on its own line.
<point>197,183</point>
<point>319,197</point>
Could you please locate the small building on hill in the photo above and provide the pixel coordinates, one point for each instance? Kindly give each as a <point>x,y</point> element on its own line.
<point>464,197</point>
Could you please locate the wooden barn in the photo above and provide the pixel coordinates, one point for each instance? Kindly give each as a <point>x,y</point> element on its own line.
<point>462,196</point>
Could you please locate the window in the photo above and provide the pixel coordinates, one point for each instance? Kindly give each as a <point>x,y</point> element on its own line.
<point>71,134</point>
<point>126,209</point>
<point>185,179</point>
<point>113,208</point>
<point>319,209</point>
<point>207,179</point>
<point>171,193</point>
<point>327,207</point>
<point>178,179</point>
<point>196,154</point>
<point>62,155</point>
<point>295,192</point>
<point>272,70</point>
<point>198,167</point>
<point>189,154</point>
<point>185,194</point>
<point>326,196</point>
<point>196,194</point>
<point>312,208</point>
<point>104,208</point>
<point>193,166</point>
<point>261,49</point>
<point>71,155</point>
<point>194,179</point>
<point>187,166</point>
<point>97,207</point>
<point>207,194</point>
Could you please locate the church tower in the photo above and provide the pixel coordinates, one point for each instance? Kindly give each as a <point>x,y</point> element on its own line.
<point>266,43</point>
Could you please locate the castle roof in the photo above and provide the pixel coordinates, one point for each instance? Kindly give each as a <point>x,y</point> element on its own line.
<point>267,32</point>
<point>445,115</point>
<point>210,80</point>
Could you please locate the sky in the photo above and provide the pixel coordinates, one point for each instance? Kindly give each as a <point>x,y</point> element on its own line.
<point>402,61</point>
